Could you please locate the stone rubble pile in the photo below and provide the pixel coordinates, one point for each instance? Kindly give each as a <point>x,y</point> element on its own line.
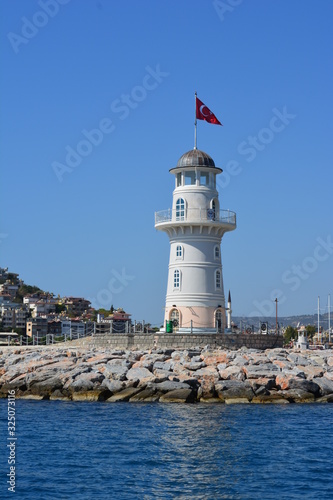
<point>198,375</point>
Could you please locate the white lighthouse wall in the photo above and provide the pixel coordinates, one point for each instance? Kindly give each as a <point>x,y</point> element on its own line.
<point>197,297</point>
<point>197,266</point>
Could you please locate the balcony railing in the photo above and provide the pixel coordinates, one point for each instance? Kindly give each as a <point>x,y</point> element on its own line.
<point>195,215</point>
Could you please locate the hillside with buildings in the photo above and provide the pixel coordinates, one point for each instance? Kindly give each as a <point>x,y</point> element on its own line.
<point>35,314</point>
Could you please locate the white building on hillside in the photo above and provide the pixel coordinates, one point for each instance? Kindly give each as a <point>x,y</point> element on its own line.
<point>195,225</point>
<point>40,305</point>
<point>13,317</point>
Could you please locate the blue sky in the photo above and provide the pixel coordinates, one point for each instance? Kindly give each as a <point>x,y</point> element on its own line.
<point>84,225</point>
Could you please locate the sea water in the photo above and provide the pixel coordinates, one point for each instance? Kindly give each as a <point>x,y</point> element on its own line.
<point>69,450</point>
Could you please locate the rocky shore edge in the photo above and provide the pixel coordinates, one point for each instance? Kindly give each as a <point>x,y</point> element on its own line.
<point>206,375</point>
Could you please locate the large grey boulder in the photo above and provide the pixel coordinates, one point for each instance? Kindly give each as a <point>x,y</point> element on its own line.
<point>239,361</point>
<point>143,395</point>
<point>162,365</point>
<point>194,365</point>
<point>326,386</point>
<point>169,385</point>
<point>113,386</point>
<point>46,387</point>
<point>297,359</point>
<point>87,382</point>
<point>139,373</point>
<point>305,385</point>
<point>228,389</point>
<point>116,371</point>
<point>178,396</point>
<point>124,395</point>
<point>298,395</point>
<point>265,371</point>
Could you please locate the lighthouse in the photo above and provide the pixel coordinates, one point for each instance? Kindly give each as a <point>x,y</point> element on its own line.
<point>195,225</point>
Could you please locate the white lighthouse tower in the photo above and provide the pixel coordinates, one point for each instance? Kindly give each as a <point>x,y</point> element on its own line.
<point>195,225</point>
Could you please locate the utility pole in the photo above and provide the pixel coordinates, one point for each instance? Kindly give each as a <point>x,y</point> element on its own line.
<point>276,316</point>
<point>318,318</point>
<point>329,318</point>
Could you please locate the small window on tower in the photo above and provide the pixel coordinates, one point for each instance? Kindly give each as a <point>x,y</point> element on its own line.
<point>218,279</point>
<point>189,178</point>
<point>176,279</point>
<point>217,252</point>
<point>204,179</point>
<point>180,209</point>
<point>179,251</point>
<point>179,179</point>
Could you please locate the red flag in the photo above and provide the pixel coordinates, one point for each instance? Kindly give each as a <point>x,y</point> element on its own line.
<point>204,113</point>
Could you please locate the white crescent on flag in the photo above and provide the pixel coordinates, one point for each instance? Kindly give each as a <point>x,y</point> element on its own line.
<point>205,107</point>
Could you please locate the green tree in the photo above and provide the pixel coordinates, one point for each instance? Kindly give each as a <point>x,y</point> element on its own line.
<point>290,333</point>
<point>311,330</point>
<point>59,308</point>
<point>105,312</point>
<point>27,290</point>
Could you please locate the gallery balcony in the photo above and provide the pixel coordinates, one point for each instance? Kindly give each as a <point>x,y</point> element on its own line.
<point>225,219</point>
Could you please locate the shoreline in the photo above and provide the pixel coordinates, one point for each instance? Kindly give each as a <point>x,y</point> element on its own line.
<point>205,375</point>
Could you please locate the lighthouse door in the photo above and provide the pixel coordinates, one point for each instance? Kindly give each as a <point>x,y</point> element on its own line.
<point>218,320</point>
<point>174,317</point>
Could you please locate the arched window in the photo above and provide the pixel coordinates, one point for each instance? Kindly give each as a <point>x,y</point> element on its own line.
<point>218,279</point>
<point>174,317</point>
<point>176,279</point>
<point>179,251</point>
<point>214,204</point>
<point>217,252</point>
<point>211,212</point>
<point>180,209</point>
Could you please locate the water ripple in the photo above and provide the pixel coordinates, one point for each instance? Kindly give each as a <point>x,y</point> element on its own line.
<point>153,451</point>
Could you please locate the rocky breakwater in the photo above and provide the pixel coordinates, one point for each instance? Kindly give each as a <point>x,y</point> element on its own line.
<point>167,375</point>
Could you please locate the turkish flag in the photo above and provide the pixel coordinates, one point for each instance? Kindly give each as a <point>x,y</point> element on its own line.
<point>204,113</point>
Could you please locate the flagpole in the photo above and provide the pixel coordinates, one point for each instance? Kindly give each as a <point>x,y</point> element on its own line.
<point>195,122</point>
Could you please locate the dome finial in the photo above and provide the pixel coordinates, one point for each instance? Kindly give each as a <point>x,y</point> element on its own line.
<point>195,158</point>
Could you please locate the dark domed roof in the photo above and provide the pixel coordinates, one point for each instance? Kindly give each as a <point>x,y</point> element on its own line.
<point>195,158</point>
